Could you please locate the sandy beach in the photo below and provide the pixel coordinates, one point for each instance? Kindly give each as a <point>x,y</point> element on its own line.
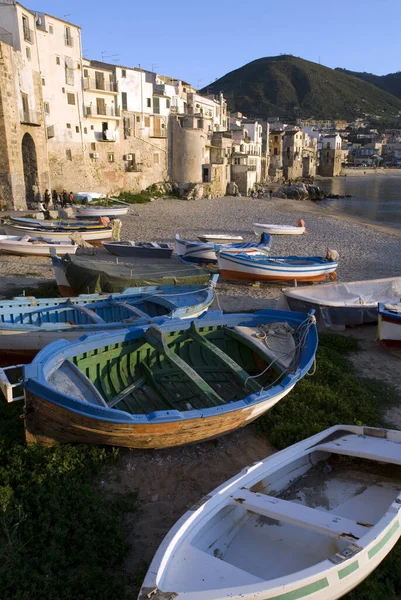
<point>170,481</point>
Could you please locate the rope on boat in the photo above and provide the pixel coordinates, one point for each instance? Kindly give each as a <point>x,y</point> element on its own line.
<point>300,335</point>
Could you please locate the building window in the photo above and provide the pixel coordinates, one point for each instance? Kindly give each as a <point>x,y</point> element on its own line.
<point>110,156</point>
<point>51,29</point>
<point>43,81</point>
<point>76,129</point>
<point>156,105</point>
<point>71,98</point>
<point>147,121</point>
<point>67,37</point>
<point>93,146</point>
<point>28,53</point>
<point>68,125</point>
<point>68,154</point>
<point>138,119</point>
<point>85,130</point>
<point>124,100</point>
<point>63,90</point>
<point>46,108</point>
<point>167,102</point>
<point>100,106</point>
<point>92,127</point>
<point>69,70</point>
<point>86,73</point>
<point>123,73</point>
<point>156,158</point>
<point>58,61</point>
<point>28,35</point>
<point>148,102</point>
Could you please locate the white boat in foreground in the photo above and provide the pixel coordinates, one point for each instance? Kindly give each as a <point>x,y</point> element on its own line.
<point>311,521</point>
<point>62,235</point>
<point>28,246</point>
<point>345,303</point>
<point>95,212</point>
<point>280,229</point>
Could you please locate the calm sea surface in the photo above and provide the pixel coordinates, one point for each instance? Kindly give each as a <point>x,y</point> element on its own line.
<point>375,198</point>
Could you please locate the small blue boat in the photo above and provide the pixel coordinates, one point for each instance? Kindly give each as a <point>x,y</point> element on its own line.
<point>167,384</point>
<point>27,326</point>
<point>205,252</point>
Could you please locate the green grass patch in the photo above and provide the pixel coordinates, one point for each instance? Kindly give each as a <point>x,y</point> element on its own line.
<point>47,289</point>
<point>61,538</point>
<point>336,395</point>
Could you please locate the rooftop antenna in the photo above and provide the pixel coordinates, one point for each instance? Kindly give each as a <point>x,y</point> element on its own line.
<point>105,55</point>
<point>154,66</point>
<point>198,82</point>
<point>68,15</point>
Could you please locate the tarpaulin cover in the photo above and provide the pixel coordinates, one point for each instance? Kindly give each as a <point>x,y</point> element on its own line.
<point>102,274</point>
<point>348,303</point>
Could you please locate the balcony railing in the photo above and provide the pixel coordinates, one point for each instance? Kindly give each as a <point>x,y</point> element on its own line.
<point>106,86</point>
<point>28,34</point>
<point>106,111</point>
<point>69,41</point>
<point>29,117</point>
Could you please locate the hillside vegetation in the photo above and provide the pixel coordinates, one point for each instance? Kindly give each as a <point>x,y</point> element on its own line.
<point>389,83</point>
<point>290,87</point>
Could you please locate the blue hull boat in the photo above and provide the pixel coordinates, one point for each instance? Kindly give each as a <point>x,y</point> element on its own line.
<point>205,252</point>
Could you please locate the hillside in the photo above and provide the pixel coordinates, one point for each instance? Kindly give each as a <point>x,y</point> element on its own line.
<point>389,83</point>
<point>290,87</point>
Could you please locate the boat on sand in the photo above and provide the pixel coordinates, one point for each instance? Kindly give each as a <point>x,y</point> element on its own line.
<point>389,328</point>
<point>272,229</point>
<point>157,386</point>
<point>144,249</point>
<point>205,252</point>
<point>28,246</point>
<point>311,521</point>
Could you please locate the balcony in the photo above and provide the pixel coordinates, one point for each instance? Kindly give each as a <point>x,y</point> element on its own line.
<point>29,117</point>
<point>102,86</point>
<point>69,41</point>
<point>28,34</point>
<point>101,112</point>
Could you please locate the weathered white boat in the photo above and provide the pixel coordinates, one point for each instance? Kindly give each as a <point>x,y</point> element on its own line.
<point>26,330</point>
<point>180,382</point>
<point>220,238</point>
<point>280,229</point>
<point>62,235</point>
<point>140,249</point>
<point>345,303</point>
<point>311,521</point>
<point>26,245</point>
<point>263,267</point>
<point>95,212</point>
<point>60,224</point>
<point>389,327</point>
<point>205,252</point>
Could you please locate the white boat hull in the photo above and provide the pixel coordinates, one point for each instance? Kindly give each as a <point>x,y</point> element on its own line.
<point>84,213</point>
<point>389,329</point>
<point>220,238</point>
<point>278,229</point>
<point>59,236</point>
<point>234,267</point>
<point>15,245</point>
<point>270,533</point>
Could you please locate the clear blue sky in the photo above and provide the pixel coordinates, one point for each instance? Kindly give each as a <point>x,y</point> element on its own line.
<point>199,42</point>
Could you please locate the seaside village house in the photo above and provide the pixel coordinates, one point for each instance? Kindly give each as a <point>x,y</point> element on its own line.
<point>276,151</point>
<point>292,153</point>
<point>67,122</point>
<point>331,155</point>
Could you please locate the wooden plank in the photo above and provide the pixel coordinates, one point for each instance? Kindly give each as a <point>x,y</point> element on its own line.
<point>372,448</point>
<point>130,388</point>
<point>130,308</point>
<point>323,522</point>
<point>157,338</point>
<point>239,373</point>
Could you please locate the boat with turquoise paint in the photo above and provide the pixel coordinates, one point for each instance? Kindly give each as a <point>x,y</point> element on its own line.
<point>309,522</point>
<point>167,384</point>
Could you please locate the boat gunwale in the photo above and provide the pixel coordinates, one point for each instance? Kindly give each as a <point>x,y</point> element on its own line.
<point>52,356</point>
<point>384,312</point>
<point>275,586</point>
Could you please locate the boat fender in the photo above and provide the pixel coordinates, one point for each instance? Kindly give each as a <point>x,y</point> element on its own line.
<point>332,254</point>
<point>301,223</point>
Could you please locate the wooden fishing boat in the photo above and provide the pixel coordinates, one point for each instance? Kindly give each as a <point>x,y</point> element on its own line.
<point>389,327</point>
<point>90,212</point>
<point>62,224</point>
<point>220,238</point>
<point>280,229</point>
<point>261,267</point>
<point>205,252</point>
<point>103,273</point>
<point>159,386</point>
<point>27,246</point>
<point>93,236</point>
<point>25,331</point>
<point>311,521</point>
<point>144,249</point>
<point>345,303</point>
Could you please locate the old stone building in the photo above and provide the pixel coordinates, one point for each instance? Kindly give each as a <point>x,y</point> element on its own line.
<point>276,152</point>
<point>292,153</point>
<point>331,155</point>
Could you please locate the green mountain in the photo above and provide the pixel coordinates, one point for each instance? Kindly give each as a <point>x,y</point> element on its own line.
<point>290,87</point>
<point>389,83</point>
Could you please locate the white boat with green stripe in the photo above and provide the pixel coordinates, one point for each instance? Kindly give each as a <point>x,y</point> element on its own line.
<point>311,521</point>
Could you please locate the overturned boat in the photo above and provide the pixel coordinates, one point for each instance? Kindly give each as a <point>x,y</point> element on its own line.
<point>164,385</point>
<point>311,521</point>
<point>26,330</point>
<point>343,303</point>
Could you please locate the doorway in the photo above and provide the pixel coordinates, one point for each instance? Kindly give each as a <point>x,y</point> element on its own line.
<point>30,163</point>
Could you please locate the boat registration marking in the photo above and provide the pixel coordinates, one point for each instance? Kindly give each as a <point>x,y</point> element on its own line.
<point>304,591</point>
<point>384,540</point>
<point>348,570</point>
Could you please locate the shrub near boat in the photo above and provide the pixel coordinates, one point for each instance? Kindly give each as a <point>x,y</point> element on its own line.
<point>167,385</point>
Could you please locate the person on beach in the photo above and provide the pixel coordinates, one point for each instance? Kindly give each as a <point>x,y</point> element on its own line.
<point>71,198</point>
<point>46,199</point>
<point>55,198</point>
<point>64,199</point>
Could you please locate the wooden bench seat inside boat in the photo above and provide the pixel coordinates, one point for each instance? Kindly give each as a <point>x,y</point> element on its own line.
<point>378,449</point>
